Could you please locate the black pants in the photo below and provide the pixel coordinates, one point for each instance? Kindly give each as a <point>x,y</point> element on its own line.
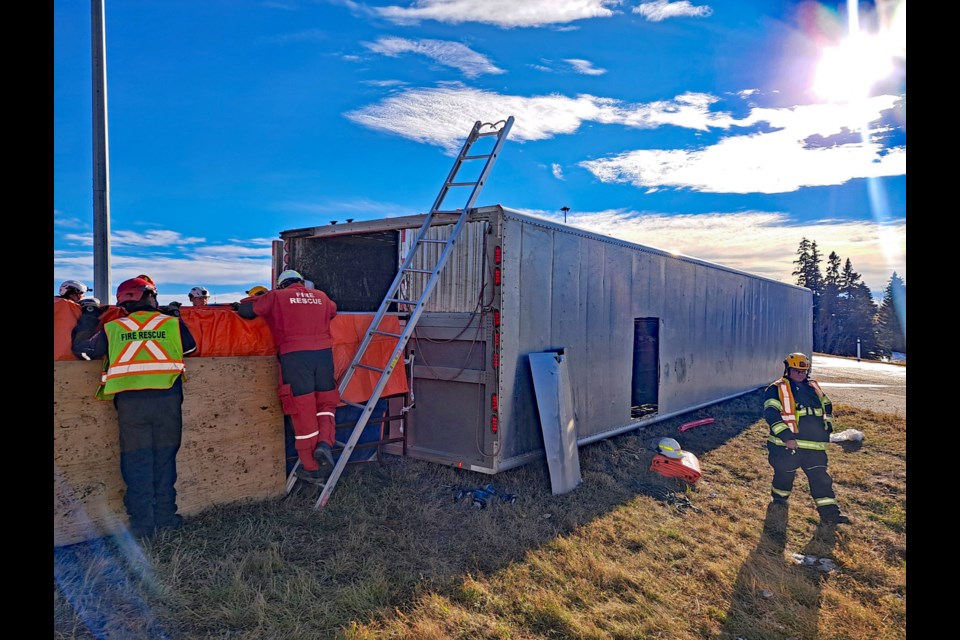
<point>151,427</point>
<point>814,465</point>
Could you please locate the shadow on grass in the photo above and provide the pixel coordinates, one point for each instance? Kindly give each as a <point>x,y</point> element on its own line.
<point>393,531</point>
<point>776,596</point>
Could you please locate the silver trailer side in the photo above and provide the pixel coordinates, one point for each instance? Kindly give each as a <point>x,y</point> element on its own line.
<point>648,335</point>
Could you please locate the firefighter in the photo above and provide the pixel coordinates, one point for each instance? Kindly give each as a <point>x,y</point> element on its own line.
<point>258,290</point>
<point>198,296</point>
<point>800,416</point>
<point>299,320</point>
<point>143,376</point>
<point>72,290</point>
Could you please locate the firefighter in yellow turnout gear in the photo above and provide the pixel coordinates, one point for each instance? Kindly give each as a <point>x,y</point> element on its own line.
<point>800,417</point>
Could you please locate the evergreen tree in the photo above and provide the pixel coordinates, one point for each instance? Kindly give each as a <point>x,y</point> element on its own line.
<point>892,317</point>
<point>829,323</point>
<point>857,314</point>
<point>808,275</point>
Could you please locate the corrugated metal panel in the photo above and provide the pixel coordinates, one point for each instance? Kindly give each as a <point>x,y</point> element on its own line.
<point>721,333</point>
<point>461,280</point>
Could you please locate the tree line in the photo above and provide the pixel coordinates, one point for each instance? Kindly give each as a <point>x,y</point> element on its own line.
<point>844,310</point>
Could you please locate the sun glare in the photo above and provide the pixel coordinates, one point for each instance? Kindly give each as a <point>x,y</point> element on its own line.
<point>848,71</point>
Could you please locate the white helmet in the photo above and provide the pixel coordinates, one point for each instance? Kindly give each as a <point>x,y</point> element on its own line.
<point>72,285</point>
<point>198,292</point>
<point>670,448</point>
<point>289,274</point>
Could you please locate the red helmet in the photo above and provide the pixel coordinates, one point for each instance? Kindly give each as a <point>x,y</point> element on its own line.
<point>133,290</point>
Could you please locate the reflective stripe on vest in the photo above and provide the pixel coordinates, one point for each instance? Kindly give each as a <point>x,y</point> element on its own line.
<point>786,404</point>
<point>145,352</point>
<point>801,444</point>
<point>787,411</point>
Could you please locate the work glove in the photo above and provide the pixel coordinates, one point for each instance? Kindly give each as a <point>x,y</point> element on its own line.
<point>91,306</point>
<point>175,304</point>
<point>170,310</point>
<point>235,306</point>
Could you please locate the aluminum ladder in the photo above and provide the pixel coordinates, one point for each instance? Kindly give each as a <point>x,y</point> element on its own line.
<point>394,295</point>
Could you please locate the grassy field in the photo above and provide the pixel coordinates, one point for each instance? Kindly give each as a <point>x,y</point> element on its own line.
<point>628,554</point>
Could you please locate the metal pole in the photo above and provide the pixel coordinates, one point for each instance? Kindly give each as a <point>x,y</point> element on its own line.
<point>858,349</point>
<point>101,164</point>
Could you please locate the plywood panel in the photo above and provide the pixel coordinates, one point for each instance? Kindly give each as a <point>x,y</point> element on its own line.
<point>233,445</point>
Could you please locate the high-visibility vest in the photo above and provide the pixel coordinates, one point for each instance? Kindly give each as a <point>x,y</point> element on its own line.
<point>788,412</point>
<point>144,352</point>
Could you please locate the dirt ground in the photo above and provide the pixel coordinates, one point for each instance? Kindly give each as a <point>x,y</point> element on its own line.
<point>878,386</point>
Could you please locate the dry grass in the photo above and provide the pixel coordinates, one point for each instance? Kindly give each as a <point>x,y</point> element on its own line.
<point>628,554</point>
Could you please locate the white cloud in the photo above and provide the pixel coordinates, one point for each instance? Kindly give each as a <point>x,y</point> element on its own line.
<point>451,54</point>
<point>778,161</point>
<point>585,67</point>
<point>786,149</point>
<point>660,10</point>
<point>153,238</point>
<point>60,219</point>
<point>503,13</point>
<point>557,171</point>
<point>384,83</point>
<point>762,243</point>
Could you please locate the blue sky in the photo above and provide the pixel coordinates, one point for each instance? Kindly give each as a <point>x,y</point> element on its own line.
<point>713,129</point>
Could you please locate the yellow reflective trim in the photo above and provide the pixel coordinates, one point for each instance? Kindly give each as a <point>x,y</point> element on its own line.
<point>778,428</point>
<point>773,402</point>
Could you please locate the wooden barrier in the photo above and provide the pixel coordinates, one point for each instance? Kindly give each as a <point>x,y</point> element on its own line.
<point>233,443</point>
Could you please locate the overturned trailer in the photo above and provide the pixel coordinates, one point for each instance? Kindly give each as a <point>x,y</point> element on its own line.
<point>646,334</point>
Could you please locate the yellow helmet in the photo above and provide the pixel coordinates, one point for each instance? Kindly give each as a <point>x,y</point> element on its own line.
<point>797,361</point>
<point>258,290</point>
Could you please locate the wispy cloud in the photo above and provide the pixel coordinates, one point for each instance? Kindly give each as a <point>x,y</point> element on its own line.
<point>773,150</point>
<point>447,53</point>
<point>152,238</point>
<point>557,171</point>
<point>62,220</point>
<point>503,13</point>
<point>660,10</point>
<point>762,243</point>
<point>585,67</point>
<point>385,83</point>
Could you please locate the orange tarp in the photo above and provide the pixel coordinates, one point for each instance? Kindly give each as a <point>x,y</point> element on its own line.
<point>219,331</point>
<point>686,468</point>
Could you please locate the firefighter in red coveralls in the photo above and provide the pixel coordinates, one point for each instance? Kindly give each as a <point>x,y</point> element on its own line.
<point>800,416</point>
<point>299,320</point>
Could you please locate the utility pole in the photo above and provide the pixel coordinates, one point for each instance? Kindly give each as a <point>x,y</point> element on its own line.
<point>564,209</point>
<point>101,163</point>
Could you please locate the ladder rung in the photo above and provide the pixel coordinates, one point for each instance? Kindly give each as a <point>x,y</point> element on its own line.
<point>462,184</point>
<point>418,270</point>
<point>355,405</point>
<point>387,333</point>
<point>401,301</point>
<point>477,157</point>
<point>433,240</point>
<point>367,366</point>
<point>489,133</point>
<point>453,212</point>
